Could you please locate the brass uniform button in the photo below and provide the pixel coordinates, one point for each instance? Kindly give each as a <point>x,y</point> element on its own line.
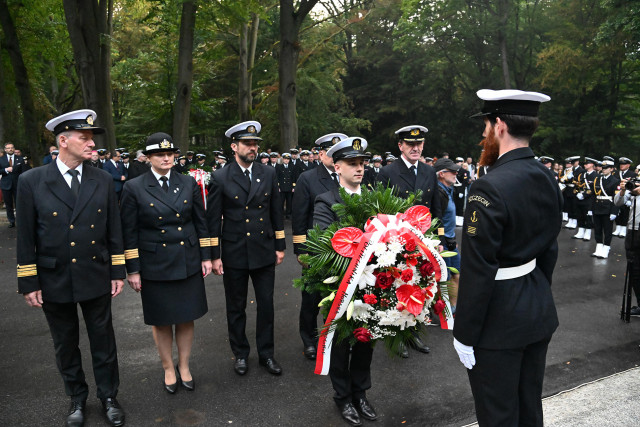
<point>181,243</point>
<point>247,220</point>
<point>99,210</point>
<point>71,226</point>
<point>93,226</point>
<point>159,217</point>
<point>236,197</point>
<point>246,208</point>
<point>177,215</point>
<point>151,204</point>
<point>93,258</point>
<point>93,242</point>
<point>260,207</point>
<point>260,219</point>
<point>164,245</point>
<point>73,260</point>
<point>248,234</point>
<point>162,231</point>
<point>179,228</point>
<point>73,243</point>
<point>55,214</point>
<point>185,202</point>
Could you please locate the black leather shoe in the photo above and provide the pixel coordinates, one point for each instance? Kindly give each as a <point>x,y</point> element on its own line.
<point>310,352</point>
<point>189,385</point>
<point>365,409</point>
<point>113,411</point>
<point>272,366</point>
<point>350,414</point>
<point>417,344</point>
<point>76,414</point>
<point>241,366</point>
<point>171,388</point>
<point>12,224</point>
<point>403,352</point>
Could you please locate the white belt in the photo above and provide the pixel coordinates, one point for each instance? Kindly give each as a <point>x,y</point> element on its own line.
<point>604,198</point>
<point>514,272</point>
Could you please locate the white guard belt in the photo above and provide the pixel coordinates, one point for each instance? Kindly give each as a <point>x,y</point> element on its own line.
<point>514,272</point>
<point>604,198</point>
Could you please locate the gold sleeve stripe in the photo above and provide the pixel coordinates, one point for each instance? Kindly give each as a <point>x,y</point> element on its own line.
<point>131,253</point>
<point>300,238</point>
<point>27,270</point>
<point>279,234</point>
<point>117,259</point>
<point>214,241</point>
<point>205,242</point>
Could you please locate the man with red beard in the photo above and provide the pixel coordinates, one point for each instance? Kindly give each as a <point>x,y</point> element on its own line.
<point>505,315</point>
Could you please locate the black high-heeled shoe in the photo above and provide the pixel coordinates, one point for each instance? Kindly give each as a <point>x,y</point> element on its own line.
<point>188,385</point>
<point>170,388</point>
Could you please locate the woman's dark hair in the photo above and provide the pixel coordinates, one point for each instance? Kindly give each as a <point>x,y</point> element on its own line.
<point>520,127</point>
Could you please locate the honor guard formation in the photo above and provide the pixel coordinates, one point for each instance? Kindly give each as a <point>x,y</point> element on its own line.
<point>164,220</point>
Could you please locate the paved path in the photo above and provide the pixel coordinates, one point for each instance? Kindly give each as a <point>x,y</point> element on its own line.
<point>424,390</point>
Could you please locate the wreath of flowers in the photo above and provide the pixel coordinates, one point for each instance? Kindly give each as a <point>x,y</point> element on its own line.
<point>393,290</point>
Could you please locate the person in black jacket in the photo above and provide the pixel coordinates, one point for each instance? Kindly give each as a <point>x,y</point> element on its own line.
<point>505,315</point>
<point>11,166</point>
<point>287,175</point>
<point>310,185</point>
<point>625,172</point>
<point>138,166</point>
<point>350,367</point>
<point>248,243</point>
<point>604,210</point>
<point>70,253</point>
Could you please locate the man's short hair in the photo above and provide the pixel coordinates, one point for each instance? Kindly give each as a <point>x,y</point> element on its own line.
<point>115,153</point>
<point>139,154</point>
<point>520,127</point>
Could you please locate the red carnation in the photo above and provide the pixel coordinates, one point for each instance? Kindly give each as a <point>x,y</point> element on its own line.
<point>400,306</point>
<point>426,269</point>
<point>370,299</point>
<point>439,306</point>
<point>407,275</point>
<point>410,245</point>
<point>384,280</point>
<point>362,334</point>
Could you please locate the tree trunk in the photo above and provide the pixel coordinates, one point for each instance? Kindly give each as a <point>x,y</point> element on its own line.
<point>243,84</point>
<point>23,85</point>
<point>251,59</point>
<point>182,108</point>
<point>503,16</point>
<point>290,22</point>
<point>90,26</point>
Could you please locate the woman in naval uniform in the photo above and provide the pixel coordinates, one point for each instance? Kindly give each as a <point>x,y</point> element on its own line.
<point>167,252</point>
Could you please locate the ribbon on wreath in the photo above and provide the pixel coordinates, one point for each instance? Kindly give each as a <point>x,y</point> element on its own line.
<point>199,176</point>
<point>378,229</point>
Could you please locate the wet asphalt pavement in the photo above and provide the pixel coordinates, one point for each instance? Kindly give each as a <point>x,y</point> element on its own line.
<point>424,390</point>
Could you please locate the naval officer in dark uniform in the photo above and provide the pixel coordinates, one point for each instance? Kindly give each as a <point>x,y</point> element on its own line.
<point>624,172</point>
<point>70,253</point>
<point>248,243</point>
<point>310,185</point>
<point>168,254</point>
<point>505,315</point>
<point>287,175</point>
<point>408,175</point>
<point>350,368</point>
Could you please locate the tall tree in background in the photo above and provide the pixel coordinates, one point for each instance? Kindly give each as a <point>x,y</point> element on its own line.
<point>247,56</point>
<point>182,105</point>
<point>21,77</point>
<point>89,23</point>
<point>290,23</point>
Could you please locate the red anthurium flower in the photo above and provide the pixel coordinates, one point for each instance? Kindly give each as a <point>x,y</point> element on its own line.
<point>345,241</point>
<point>412,297</point>
<point>418,216</point>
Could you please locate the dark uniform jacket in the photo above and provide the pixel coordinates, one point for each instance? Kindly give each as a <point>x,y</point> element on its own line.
<point>96,164</point>
<point>286,177</point>
<point>116,172</point>
<point>310,185</point>
<point>136,169</point>
<point>303,168</point>
<point>604,190</point>
<point>9,180</point>
<point>398,176</point>
<point>253,226</point>
<point>513,216</point>
<point>323,215</point>
<point>165,233</point>
<point>370,176</point>
<point>70,249</point>
<point>629,173</point>
<point>584,185</point>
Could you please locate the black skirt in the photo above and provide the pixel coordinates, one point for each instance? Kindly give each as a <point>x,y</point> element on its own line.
<point>173,301</point>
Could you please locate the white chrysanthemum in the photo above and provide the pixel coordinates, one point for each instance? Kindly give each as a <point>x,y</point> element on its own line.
<point>367,278</point>
<point>361,311</point>
<point>395,245</point>
<point>386,259</point>
<point>401,319</point>
<point>379,248</point>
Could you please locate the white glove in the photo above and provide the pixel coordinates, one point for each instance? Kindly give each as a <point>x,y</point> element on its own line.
<point>612,217</point>
<point>590,213</point>
<point>570,175</point>
<point>628,203</point>
<point>465,353</point>
<point>580,196</point>
<point>460,196</point>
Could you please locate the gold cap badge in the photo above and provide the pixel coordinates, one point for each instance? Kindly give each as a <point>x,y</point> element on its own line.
<point>90,119</point>
<point>165,144</point>
<point>415,132</point>
<point>357,144</point>
<point>251,129</point>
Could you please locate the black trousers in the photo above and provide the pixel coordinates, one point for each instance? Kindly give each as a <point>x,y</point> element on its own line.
<point>9,197</point>
<point>309,318</point>
<point>623,215</point>
<point>287,199</point>
<point>632,246</point>
<point>350,370</point>
<point>507,385</point>
<point>64,327</point>
<point>459,201</point>
<point>236,284</point>
<point>569,203</point>
<point>582,209</point>
<point>603,228</point>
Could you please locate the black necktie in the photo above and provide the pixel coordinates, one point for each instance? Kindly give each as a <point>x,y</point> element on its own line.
<point>413,172</point>
<point>75,182</point>
<point>248,175</point>
<point>334,176</point>
<point>165,185</point>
